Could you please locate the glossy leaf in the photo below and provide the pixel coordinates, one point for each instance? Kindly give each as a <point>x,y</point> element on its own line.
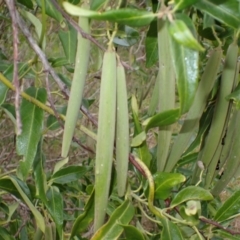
<point>181,4</point>
<point>191,193</point>
<point>229,208</point>
<point>19,189</point>
<point>83,221</point>
<point>32,120</point>
<point>132,232</point>
<point>55,207</point>
<point>68,174</point>
<point>139,139</point>
<point>226,12</point>
<point>112,230</point>
<point>164,182</point>
<point>51,10</point>
<point>170,230</point>
<point>186,66</point>
<point>162,119</point>
<point>181,34</point>
<point>130,17</point>
<point>69,43</point>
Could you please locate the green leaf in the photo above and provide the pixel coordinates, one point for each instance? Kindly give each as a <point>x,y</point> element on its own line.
<point>19,188</point>
<point>139,139</point>
<point>97,4</point>
<point>83,221</point>
<point>181,34</point>
<point>51,10</point>
<point>26,3</point>
<point>164,182</point>
<point>181,4</point>
<point>170,230</point>
<point>128,16</point>
<point>112,230</point>
<point>68,174</point>
<point>69,42</point>
<point>191,193</point>
<point>32,119</point>
<point>54,206</point>
<point>162,119</point>
<point>229,208</point>
<point>151,45</point>
<point>132,232</point>
<point>185,62</point>
<point>226,12</point>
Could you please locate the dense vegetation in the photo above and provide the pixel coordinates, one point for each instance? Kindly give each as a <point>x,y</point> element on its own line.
<point>119,119</point>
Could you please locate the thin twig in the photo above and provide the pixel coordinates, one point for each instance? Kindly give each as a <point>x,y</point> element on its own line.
<point>216,224</point>
<point>12,11</point>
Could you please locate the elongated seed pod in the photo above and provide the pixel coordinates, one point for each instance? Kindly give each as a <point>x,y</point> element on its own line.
<point>232,162</point>
<point>78,82</point>
<point>166,78</point>
<point>122,131</point>
<point>105,136</point>
<point>221,114</point>
<point>193,117</point>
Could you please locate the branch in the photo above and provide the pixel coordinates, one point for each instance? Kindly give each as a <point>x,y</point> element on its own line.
<point>216,224</point>
<point>12,11</point>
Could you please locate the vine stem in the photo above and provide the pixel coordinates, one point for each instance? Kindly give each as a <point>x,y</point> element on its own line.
<point>150,179</point>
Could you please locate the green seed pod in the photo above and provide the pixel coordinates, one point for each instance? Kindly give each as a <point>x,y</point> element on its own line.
<point>221,113</point>
<point>78,82</point>
<point>122,131</point>
<point>105,136</point>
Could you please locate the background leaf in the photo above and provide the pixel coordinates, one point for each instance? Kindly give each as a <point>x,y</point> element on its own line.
<point>226,12</point>
<point>229,208</point>
<point>32,120</point>
<point>69,42</point>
